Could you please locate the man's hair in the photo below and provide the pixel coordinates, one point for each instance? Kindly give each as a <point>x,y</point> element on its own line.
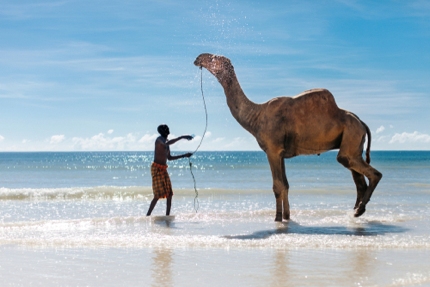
<point>162,129</point>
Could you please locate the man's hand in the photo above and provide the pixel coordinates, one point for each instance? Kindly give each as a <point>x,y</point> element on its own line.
<point>188,137</point>
<point>188,154</point>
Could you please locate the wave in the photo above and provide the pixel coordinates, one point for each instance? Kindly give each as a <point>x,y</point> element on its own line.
<point>136,192</point>
<point>104,192</point>
<point>98,192</point>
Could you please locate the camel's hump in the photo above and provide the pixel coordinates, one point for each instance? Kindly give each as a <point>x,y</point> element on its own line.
<point>308,96</point>
<point>315,97</point>
<point>315,94</point>
<point>314,91</point>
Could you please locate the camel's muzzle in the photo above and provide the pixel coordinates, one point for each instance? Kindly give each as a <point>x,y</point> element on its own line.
<point>197,63</point>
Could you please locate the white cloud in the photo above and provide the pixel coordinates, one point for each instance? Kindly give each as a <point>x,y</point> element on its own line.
<point>56,139</point>
<point>1,138</point>
<point>236,143</point>
<point>380,129</point>
<point>130,142</point>
<point>110,131</point>
<point>414,137</point>
<point>102,142</point>
<point>381,139</point>
<point>217,140</point>
<point>148,139</point>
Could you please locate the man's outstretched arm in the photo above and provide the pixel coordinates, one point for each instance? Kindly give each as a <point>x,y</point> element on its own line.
<point>172,141</point>
<point>173,157</point>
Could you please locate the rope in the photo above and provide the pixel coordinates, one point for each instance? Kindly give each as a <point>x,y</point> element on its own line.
<point>196,199</point>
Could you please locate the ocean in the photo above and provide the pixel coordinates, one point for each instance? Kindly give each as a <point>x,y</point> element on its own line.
<point>79,219</point>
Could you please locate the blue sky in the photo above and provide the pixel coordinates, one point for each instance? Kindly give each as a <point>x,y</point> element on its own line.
<point>102,75</point>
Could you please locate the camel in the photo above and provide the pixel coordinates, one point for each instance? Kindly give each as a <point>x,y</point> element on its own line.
<point>309,123</point>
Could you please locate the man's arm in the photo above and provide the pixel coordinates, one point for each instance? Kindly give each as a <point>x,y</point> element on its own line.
<point>172,141</point>
<point>173,157</point>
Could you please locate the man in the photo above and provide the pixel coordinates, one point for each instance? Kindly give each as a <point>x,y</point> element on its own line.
<point>161,185</point>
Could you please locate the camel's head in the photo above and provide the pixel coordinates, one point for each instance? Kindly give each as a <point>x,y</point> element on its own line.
<point>219,66</point>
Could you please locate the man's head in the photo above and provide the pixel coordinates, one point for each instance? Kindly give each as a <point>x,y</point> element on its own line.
<point>163,130</point>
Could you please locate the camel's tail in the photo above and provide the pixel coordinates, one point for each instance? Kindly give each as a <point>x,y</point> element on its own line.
<point>369,140</point>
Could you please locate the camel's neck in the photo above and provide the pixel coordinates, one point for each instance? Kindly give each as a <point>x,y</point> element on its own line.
<point>243,110</point>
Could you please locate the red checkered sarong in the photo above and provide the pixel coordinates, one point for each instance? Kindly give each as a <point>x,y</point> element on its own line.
<point>161,185</point>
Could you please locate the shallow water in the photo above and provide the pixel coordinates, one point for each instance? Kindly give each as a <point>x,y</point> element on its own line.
<point>68,233</point>
<point>224,220</point>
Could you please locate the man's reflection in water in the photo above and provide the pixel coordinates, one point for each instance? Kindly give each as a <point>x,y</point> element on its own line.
<point>162,256</point>
<point>162,267</point>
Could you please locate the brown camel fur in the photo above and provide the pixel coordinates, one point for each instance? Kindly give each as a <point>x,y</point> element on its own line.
<point>309,123</point>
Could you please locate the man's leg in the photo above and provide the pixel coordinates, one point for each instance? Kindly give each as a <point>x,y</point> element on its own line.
<point>152,205</point>
<point>168,205</point>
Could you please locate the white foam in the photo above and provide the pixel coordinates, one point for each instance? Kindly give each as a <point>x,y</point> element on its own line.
<point>202,231</point>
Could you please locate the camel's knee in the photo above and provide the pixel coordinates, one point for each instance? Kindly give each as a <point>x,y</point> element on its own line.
<point>280,187</point>
<point>277,192</point>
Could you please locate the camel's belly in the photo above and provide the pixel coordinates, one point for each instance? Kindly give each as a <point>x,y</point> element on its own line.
<point>308,151</point>
<point>316,144</point>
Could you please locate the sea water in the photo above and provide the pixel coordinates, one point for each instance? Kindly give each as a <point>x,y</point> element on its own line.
<point>79,218</point>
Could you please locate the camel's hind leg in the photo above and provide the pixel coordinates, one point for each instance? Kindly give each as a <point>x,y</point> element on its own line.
<point>374,177</point>
<point>350,156</point>
<point>361,185</point>
<point>358,165</point>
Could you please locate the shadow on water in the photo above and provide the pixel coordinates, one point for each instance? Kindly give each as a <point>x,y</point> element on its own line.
<point>372,228</point>
<point>167,221</point>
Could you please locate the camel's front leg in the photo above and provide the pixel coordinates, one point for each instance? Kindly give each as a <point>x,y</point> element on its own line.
<point>280,186</point>
<point>278,196</point>
<point>285,189</point>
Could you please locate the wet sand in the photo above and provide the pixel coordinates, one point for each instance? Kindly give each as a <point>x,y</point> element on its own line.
<point>212,267</point>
